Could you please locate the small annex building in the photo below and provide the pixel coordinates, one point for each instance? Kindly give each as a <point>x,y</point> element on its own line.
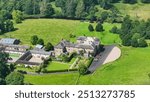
<point>10,41</point>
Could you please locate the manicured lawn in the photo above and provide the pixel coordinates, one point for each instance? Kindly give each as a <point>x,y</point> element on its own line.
<point>14,55</point>
<point>57,66</point>
<point>132,68</point>
<point>54,30</point>
<point>52,79</point>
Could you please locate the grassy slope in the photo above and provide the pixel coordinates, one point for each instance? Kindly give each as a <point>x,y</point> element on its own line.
<point>54,30</point>
<point>138,10</point>
<point>131,68</point>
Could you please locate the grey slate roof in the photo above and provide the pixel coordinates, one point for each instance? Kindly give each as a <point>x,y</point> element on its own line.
<point>91,46</point>
<point>64,43</point>
<point>85,46</point>
<point>40,52</point>
<point>17,46</point>
<point>81,38</point>
<point>7,41</point>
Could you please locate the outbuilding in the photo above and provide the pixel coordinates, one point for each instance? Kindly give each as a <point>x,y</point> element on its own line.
<point>10,41</point>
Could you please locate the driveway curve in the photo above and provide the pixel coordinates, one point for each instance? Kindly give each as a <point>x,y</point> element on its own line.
<point>114,54</point>
<point>110,54</point>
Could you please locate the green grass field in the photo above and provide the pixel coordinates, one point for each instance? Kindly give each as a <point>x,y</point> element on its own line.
<point>54,30</point>
<point>51,79</point>
<point>139,10</point>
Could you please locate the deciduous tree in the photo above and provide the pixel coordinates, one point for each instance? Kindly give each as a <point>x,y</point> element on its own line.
<point>17,16</point>
<point>34,39</point>
<point>90,27</point>
<point>99,27</point>
<point>15,78</point>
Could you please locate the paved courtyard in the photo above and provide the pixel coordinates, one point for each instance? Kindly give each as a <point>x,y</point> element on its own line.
<point>35,59</point>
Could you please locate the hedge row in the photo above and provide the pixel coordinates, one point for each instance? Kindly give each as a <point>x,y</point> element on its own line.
<point>64,70</point>
<point>89,62</point>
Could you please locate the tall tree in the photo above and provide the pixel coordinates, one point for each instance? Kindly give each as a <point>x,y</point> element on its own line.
<point>40,41</point>
<point>142,42</point>
<point>49,47</point>
<point>134,43</point>
<point>91,28</point>
<point>99,27</point>
<point>34,39</point>
<point>28,7</point>
<point>49,11</point>
<point>82,69</point>
<point>4,70</point>
<point>70,8</point>
<point>80,9</point>
<point>15,78</point>
<point>2,81</point>
<point>126,26</point>
<point>9,26</point>
<point>17,16</point>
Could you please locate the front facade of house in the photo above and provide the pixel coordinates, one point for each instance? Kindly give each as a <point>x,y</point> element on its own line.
<point>86,45</point>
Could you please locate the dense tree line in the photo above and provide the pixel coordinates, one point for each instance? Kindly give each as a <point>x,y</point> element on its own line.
<point>6,24</point>
<point>75,9</point>
<point>145,1</point>
<point>130,1</point>
<point>133,32</point>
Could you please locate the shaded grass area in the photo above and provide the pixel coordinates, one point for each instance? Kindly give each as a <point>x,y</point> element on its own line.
<point>131,68</point>
<point>52,79</point>
<point>54,30</point>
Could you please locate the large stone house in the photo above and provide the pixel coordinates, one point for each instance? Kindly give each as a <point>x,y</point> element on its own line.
<point>86,45</point>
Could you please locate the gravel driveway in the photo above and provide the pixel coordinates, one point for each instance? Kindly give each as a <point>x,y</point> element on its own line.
<point>110,54</point>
